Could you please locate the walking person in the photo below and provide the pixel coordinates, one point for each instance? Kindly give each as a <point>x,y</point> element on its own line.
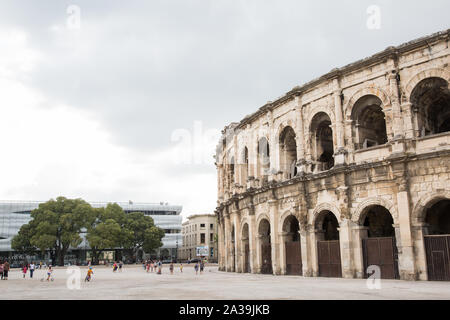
<point>202,266</point>
<point>89,275</point>
<point>152,265</point>
<point>32,267</point>
<point>171,268</point>
<point>5,270</point>
<point>159,267</point>
<point>114,267</point>
<point>1,269</point>
<point>196,268</point>
<point>181,267</point>
<point>49,273</point>
<point>120,265</point>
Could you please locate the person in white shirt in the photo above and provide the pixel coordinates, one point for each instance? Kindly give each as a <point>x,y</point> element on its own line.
<point>32,266</point>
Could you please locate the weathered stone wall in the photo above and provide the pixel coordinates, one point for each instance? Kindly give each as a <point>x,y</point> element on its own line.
<point>406,175</point>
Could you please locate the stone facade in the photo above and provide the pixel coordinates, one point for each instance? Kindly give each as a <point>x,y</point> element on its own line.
<point>372,137</point>
<point>199,230</point>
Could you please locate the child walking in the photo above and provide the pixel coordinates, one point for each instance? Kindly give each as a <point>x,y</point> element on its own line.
<point>24,270</point>
<point>89,275</point>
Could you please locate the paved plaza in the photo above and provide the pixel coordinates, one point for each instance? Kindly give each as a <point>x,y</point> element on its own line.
<point>135,283</point>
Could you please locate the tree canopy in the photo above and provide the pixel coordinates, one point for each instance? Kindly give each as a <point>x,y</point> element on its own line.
<point>57,224</point>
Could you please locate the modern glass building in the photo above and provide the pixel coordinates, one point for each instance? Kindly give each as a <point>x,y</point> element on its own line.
<point>14,214</point>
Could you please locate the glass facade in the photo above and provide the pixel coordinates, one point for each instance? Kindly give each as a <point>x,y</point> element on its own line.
<point>14,214</point>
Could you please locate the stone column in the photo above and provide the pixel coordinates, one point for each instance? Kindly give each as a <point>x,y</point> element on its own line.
<point>252,234</point>
<point>274,238</point>
<point>345,243</point>
<point>237,243</point>
<point>359,233</point>
<point>227,243</point>
<point>419,231</point>
<point>398,145</point>
<point>406,258</point>
<point>258,259</point>
<point>283,236</point>
<point>306,253</point>
<point>339,156</point>
<point>408,120</point>
<point>244,242</point>
<point>300,136</point>
<point>315,236</point>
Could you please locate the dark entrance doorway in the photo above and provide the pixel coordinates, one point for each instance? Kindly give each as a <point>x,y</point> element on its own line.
<point>292,246</point>
<point>266,248</point>
<point>379,245</point>
<point>246,246</point>
<point>329,259</point>
<point>246,258</point>
<point>328,246</point>
<point>437,242</point>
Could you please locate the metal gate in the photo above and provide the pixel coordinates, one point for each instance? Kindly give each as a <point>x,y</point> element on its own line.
<point>381,252</point>
<point>293,258</point>
<point>266,254</point>
<point>246,258</point>
<point>329,255</point>
<point>437,250</point>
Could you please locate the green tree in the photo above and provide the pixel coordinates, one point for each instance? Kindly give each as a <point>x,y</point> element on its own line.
<point>21,242</point>
<point>57,224</point>
<point>139,231</point>
<point>105,230</point>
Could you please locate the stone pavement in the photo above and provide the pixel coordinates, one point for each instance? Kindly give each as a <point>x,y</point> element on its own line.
<point>135,283</point>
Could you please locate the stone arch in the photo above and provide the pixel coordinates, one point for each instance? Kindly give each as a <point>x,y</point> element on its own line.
<point>283,218</point>
<point>259,219</point>
<point>324,207</point>
<point>429,73</point>
<point>358,215</point>
<point>243,222</point>
<point>426,202</point>
<point>316,111</point>
<point>366,91</point>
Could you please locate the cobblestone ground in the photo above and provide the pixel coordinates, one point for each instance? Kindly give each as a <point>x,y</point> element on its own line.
<point>135,283</point>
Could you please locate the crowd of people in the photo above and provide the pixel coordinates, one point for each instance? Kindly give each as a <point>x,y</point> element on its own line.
<point>149,266</point>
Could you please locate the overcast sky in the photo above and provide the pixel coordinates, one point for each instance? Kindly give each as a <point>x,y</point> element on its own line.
<point>127,104</point>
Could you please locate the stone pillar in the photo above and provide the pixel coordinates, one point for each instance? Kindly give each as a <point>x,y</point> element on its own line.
<point>359,233</point>
<point>408,120</point>
<point>252,234</point>
<point>274,238</point>
<point>227,243</point>
<point>237,243</point>
<point>221,246</point>
<point>315,236</point>
<point>339,157</point>
<point>398,145</point>
<point>419,231</point>
<point>258,259</point>
<point>244,242</point>
<point>283,236</point>
<point>306,253</point>
<point>345,242</point>
<point>300,137</point>
<point>406,258</point>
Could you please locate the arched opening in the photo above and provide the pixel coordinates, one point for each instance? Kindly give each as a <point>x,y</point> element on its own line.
<point>288,153</point>
<point>246,248</point>
<point>322,142</point>
<point>263,158</point>
<point>292,246</point>
<point>266,248</point>
<point>438,218</point>
<point>437,241</point>
<point>379,243</point>
<point>431,105</point>
<point>328,246</point>
<point>369,123</point>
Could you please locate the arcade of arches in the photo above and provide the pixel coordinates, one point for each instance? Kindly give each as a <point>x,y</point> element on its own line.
<point>349,171</point>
